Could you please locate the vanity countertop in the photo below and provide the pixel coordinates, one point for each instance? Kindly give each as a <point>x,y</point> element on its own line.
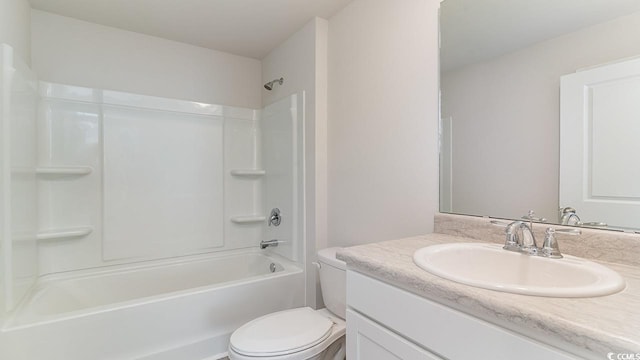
<point>600,325</point>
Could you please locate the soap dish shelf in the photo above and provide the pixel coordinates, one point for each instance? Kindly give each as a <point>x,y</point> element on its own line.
<point>64,170</point>
<point>248,172</point>
<point>64,233</point>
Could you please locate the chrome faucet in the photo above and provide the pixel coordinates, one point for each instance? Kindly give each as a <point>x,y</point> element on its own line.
<point>520,238</point>
<point>266,243</point>
<point>569,216</point>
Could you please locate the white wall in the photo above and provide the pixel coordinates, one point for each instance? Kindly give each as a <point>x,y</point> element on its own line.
<point>506,119</point>
<point>15,27</point>
<point>383,127</point>
<point>302,61</point>
<point>75,52</point>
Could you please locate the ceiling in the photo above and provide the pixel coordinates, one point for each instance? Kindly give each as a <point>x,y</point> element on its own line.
<point>472,30</point>
<point>477,30</point>
<point>249,28</point>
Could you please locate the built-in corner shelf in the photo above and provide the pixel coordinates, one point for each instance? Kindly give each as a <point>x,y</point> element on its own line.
<point>64,170</point>
<point>248,219</point>
<point>64,233</point>
<point>248,172</point>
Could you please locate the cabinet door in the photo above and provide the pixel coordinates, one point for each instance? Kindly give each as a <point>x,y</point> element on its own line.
<point>437,328</point>
<point>367,340</point>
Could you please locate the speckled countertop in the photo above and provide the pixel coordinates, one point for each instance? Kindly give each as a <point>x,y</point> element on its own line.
<point>598,325</point>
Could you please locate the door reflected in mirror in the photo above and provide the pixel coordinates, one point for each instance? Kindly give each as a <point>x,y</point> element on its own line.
<point>502,149</point>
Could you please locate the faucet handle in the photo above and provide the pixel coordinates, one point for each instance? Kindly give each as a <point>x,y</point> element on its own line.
<point>599,224</point>
<point>550,246</point>
<point>569,231</point>
<point>274,217</point>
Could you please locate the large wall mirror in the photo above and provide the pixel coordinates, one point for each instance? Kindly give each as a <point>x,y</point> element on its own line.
<point>540,110</point>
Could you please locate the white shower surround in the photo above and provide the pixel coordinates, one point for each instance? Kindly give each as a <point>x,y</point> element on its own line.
<point>180,177</point>
<point>92,302</point>
<point>159,172</point>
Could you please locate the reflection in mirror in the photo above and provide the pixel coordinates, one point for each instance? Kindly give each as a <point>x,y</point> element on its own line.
<point>501,67</point>
<point>599,127</point>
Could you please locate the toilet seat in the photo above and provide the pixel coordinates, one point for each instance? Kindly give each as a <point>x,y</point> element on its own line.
<point>281,333</point>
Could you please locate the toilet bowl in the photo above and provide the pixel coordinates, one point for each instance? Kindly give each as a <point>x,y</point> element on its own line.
<point>301,333</point>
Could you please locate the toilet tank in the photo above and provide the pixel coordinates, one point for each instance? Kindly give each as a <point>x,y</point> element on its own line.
<point>333,281</point>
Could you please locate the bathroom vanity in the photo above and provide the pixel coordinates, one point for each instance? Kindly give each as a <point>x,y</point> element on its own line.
<point>411,327</point>
<point>397,310</point>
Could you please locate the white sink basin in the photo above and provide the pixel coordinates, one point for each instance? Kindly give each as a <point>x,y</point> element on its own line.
<point>489,266</point>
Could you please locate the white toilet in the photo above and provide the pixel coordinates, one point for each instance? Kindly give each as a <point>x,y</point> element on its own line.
<point>302,333</point>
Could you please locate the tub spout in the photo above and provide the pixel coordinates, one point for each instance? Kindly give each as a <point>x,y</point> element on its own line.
<point>266,243</point>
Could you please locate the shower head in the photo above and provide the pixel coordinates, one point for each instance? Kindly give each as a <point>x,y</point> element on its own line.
<point>269,85</point>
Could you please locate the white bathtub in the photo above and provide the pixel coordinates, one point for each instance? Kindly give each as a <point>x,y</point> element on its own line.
<point>177,309</point>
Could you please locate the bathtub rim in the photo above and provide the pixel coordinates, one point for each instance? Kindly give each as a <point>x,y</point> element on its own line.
<point>12,320</point>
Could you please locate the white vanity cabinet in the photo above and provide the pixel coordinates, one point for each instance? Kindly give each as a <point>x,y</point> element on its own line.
<point>386,322</point>
<point>369,340</point>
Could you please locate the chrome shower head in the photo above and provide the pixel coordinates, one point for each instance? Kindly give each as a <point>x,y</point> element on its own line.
<point>269,85</point>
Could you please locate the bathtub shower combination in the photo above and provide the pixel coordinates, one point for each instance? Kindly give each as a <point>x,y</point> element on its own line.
<point>131,224</point>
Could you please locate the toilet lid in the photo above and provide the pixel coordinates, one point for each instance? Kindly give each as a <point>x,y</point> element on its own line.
<point>281,333</point>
